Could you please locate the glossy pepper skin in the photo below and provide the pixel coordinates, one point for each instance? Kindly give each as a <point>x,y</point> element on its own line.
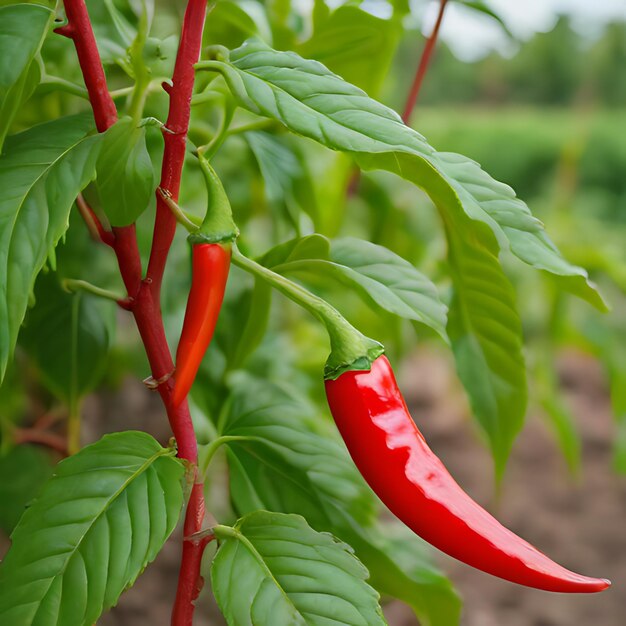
<point>210,265</point>
<point>394,458</point>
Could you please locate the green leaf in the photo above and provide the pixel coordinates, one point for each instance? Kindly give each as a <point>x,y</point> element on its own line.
<point>265,413</point>
<point>98,522</point>
<point>400,566</point>
<point>125,179</point>
<point>283,466</point>
<point>493,202</point>
<point>287,573</point>
<point>383,278</point>
<point>356,45</point>
<point>233,22</point>
<point>250,334</point>
<point>486,334</point>
<point>23,28</point>
<point>42,171</point>
<point>312,101</point>
<point>24,470</point>
<point>67,337</point>
<point>280,171</point>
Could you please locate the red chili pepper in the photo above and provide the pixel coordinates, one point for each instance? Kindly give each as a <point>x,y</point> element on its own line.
<point>211,244</point>
<point>210,265</point>
<point>394,458</point>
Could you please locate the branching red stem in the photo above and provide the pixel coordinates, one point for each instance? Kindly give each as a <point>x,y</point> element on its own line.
<point>144,295</point>
<point>422,68</point>
<point>94,225</point>
<point>41,437</point>
<point>78,29</point>
<point>175,135</point>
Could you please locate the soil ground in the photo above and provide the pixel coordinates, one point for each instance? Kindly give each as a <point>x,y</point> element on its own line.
<point>580,523</point>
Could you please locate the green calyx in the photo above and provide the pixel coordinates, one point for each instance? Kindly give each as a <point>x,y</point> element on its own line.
<point>218,225</point>
<point>350,350</point>
<point>339,363</point>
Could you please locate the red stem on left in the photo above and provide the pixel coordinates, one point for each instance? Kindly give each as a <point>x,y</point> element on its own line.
<point>423,64</point>
<point>144,295</point>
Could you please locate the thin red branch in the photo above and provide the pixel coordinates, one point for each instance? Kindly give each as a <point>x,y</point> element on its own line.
<point>94,225</point>
<point>144,295</point>
<point>175,135</point>
<point>41,437</point>
<point>78,29</point>
<point>422,68</point>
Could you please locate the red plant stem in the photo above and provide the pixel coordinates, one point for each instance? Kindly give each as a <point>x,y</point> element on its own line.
<point>41,437</point>
<point>175,135</point>
<point>94,225</point>
<point>423,64</point>
<point>144,295</point>
<point>78,28</point>
<point>190,582</point>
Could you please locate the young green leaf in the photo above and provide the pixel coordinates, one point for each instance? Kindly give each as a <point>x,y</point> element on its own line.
<point>125,179</point>
<point>42,171</point>
<point>312,101</point>
<point>23,28</point>
<point>287,573</point>
<point>98,522</point>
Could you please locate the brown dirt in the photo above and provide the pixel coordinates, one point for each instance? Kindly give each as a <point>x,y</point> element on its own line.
<point>579,523</point>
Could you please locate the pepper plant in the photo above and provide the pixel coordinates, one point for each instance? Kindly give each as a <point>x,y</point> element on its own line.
<point>127,123</point>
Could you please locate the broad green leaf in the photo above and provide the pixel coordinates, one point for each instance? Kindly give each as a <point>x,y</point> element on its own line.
<point>287,573</point>
<point>382,277</point>
<point>265,413</point>
<point>312,101</point>
<point>125,179</point>
<point>493,202</point>
<point>356,45</point>
<point>486,334</point>
<point>67,337</point>
<point>23,469</point>
<point>23,28</point>
<point>41,171</point>
<point>400,566</point>
<point>316,482</point>
<point>98,522</point>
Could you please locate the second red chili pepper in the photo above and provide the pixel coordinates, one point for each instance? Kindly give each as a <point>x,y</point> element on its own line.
<point>211,255</point>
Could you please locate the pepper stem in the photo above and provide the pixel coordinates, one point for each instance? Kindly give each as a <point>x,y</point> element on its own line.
<point>218,225</point>
<point>349,348</point>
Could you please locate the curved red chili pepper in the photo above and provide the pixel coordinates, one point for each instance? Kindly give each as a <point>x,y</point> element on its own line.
<point>394,458</point>
<point>210,265</point>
